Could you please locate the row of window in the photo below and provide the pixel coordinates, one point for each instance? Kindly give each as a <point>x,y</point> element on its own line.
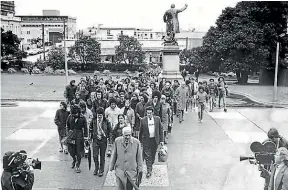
<point>135,34</point>
<point>39,25</point>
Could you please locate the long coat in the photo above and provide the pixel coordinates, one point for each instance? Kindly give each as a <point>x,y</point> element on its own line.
<point>281,182</point>
<point>166,115</point>
<point>80,126</point>
<point>144,130</point>
<point>140,109</point>
<point>127,159</point>
<point>181,96</point>
<point>60,120</point>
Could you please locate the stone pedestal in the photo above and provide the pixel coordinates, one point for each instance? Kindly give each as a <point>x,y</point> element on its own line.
<point>171,63</point>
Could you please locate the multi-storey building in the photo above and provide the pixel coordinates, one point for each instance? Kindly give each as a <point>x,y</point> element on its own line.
<point>7,7</point>
<point>151,41</point>
<point>53,24</point>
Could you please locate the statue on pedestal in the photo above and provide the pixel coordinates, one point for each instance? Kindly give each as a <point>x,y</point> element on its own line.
<point>172,25</point>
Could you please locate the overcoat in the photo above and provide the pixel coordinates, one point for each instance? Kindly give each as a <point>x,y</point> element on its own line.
<point>127,159</point>
<point>181,96</point>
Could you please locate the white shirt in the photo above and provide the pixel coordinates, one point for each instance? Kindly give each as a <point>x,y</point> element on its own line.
<point>151,127</point>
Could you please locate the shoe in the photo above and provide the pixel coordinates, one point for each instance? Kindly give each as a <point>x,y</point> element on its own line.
<point>186,111</point>
<point>199,120</point>
<point>65,152</point>
<point>95,172</point>
<point>109,153</point>
<point>225,110</point>
<point>100,174</point>
<point>78,170</point>
<point>60,150</point>
<point>73,164</point>
<point>148,174</point>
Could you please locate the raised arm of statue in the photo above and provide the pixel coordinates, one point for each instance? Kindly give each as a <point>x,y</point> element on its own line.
<point>183,9</point>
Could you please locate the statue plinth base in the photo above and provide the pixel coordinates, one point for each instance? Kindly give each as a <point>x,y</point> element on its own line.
<point>171,63</point>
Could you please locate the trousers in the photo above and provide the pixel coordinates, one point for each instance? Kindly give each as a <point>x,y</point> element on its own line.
<point>149,152</point>
<point>99,148</point>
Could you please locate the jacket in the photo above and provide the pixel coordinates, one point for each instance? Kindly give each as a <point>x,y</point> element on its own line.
<point>144,130</point>
<point>70,92</point>
<point>127,159</point>
<point>60,120</point>
<point>117,131</point>
<point>106,127</point>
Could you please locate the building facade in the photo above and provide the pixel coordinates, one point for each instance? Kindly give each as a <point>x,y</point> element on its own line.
<point>53,24</point>
<point>152,42</point>
<point>9,22</point>
<point>7,7</point>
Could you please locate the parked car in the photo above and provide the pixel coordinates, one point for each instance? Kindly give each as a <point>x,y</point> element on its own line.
<point>231,74</point>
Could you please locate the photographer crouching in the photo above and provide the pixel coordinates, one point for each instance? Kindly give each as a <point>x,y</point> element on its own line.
<point>18,171</point>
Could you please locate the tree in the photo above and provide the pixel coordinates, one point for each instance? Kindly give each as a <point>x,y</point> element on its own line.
<point>194,57</point>
<point>56,58</point>
<point>129,50</point>
<point>87,50</point>
<point>10,46</point>
<point>244,39</point>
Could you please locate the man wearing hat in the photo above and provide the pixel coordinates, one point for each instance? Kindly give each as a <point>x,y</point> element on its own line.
<point>279,173</point>
<point>126,160</point>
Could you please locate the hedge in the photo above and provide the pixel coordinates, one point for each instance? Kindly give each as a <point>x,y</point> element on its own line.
<point>108,66</point>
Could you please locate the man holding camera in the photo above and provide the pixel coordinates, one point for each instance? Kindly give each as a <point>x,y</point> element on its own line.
<point>17,171</point>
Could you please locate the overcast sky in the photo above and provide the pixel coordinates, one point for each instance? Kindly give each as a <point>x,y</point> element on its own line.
<point>129,13</point>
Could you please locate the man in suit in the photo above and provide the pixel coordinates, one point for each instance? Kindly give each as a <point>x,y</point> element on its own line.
<point>151,135</point>
<point>101,132</point>
<point>126,160</point>
<point>279,173</point>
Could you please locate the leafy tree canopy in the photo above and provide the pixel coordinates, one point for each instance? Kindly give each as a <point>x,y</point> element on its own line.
<point>10,45</point>
<point>56,58</point>
<point>244,38</point>
<point>129,50</point>
<point>86,50</point>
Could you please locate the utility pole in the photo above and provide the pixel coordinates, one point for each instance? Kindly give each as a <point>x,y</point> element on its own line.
<point>43,41</point>
<point>187,43</point>
<point>65,53</point>
<point>276,73</point>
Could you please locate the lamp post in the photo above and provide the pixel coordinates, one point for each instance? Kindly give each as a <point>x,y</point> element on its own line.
<point>65,53</point>
<point>276,69</point>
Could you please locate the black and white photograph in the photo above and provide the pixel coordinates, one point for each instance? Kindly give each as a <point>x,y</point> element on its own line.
<point>144,95</point>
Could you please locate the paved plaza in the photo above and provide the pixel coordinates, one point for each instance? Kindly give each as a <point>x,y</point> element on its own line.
<point>202,156</point>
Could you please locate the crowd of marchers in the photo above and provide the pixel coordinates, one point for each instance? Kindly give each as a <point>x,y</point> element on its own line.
<point>98,111</point>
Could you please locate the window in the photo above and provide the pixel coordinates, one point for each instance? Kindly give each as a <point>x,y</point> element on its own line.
<point>28,32</point>
<point>135,34</point>
<point>151,36</point>
<point>108,32</point>
<point>28,40</point>
<point>121,32</point>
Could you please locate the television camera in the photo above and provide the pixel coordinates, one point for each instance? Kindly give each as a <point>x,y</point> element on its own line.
<point>263,155</point>
<point>18,170</point>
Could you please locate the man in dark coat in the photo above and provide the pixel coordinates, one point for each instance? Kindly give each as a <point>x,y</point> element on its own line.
<point>151,135</point>
<point>100,131</point>
<point>70,91</point>
<point>60,120</point>
<point>77,125</point>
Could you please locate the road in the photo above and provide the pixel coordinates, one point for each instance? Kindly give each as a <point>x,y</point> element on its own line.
<point>202,156</point>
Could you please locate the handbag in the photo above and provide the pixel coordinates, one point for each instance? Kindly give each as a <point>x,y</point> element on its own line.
<point>70,138</point>
<point>163,154</point>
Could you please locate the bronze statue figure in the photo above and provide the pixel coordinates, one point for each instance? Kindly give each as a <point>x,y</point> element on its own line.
<point>172,24</point>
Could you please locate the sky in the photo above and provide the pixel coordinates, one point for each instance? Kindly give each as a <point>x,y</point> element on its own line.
<point>130,13</point>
